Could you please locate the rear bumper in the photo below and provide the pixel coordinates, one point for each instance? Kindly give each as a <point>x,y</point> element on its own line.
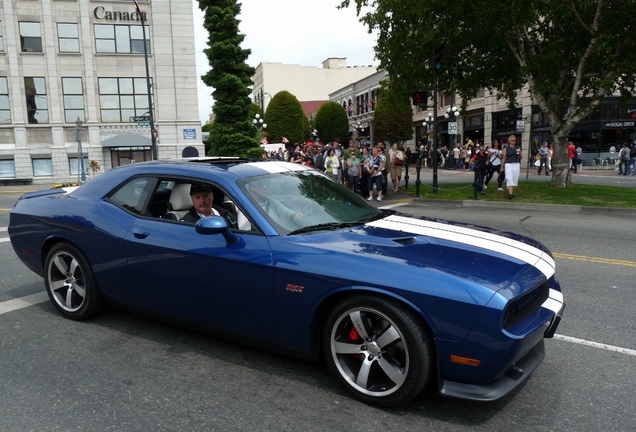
<point>516,375</point>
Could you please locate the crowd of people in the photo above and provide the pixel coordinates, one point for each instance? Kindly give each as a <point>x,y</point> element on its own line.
<point>358,167</point>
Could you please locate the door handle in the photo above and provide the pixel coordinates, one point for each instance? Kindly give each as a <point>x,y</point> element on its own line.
<point>140,234</point>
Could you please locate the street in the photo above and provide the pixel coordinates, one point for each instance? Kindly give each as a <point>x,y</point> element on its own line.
<point>125,372</point>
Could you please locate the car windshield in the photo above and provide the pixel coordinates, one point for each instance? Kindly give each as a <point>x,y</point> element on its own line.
<point>306,201</point>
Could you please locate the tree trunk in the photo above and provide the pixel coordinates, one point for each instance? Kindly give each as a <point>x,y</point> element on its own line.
<point>561,175</point>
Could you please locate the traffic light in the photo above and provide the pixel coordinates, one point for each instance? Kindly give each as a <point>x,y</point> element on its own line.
<point>420,98</point>
<point>439,53</point>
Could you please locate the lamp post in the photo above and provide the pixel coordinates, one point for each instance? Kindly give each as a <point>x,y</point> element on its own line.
<point>263,93</point>
<point>259,122</point>
<point>81,174</point>
<point>432,120</point>
<point>153,132</point>
<point>429,120</point>
<point>451,114</point>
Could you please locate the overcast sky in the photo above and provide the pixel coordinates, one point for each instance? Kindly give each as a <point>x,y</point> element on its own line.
<point>291,32</point>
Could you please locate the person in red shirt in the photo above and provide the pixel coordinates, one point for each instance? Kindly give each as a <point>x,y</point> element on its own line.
<point>572,155</point>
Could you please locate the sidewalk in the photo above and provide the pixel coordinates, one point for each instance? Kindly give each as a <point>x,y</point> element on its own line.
<point>446,177</point>
<point>449,177</point>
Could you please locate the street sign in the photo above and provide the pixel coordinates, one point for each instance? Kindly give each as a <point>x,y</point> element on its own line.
<point>452,128</point>
<point>143,118</point>
<point>143,123</point>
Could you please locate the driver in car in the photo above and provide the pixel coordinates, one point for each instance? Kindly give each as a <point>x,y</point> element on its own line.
<point>202,206</point>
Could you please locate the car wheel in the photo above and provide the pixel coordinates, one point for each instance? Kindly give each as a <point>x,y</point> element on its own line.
<point>70,282</point>
<point>377,349</point>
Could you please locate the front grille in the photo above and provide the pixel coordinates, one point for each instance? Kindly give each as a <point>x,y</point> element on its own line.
<point>522,307</point>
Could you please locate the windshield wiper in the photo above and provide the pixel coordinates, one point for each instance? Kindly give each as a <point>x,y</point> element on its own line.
<point>325,226</point>
<point>374,217</point>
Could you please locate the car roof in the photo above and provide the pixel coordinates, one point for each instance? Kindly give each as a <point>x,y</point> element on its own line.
<point>222,169</point>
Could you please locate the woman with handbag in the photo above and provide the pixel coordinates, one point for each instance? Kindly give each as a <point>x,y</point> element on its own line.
<point>397,163</point>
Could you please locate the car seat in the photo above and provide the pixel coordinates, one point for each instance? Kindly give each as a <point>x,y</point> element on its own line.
<point>179,203</point>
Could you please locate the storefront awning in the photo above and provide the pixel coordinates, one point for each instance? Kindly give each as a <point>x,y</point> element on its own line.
<point>127,140</point>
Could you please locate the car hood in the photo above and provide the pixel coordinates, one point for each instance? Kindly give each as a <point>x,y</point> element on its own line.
<point>490,257</point>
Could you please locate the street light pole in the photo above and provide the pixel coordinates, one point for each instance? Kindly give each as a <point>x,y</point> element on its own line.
<point>434,159</point>
<point>81,174</point>
<point>153,137</point>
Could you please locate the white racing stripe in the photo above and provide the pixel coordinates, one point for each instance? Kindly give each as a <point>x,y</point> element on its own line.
<point>484,240</point>
<point>278,167</point>
<point>22,302</point>
<point>554,301</point>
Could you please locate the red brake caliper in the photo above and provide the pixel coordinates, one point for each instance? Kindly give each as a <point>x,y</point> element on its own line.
<point>354,336</point>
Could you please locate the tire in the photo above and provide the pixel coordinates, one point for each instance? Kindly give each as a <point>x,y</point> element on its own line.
<point>377,350</point>
<point>70,283</point>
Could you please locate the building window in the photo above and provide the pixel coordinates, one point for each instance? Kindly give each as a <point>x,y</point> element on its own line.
<point>30,37</point>
<point>1,38</point>
<point>73,100</point>
<point>68,37</point>
<point>121,39</point>
<point>37,107</point>
<point>42,167</point>
<point>72,162</point>
<point>122,98</point>
<point>5,109</point>
<point>7,168</point>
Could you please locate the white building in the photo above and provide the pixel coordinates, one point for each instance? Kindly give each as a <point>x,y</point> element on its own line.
<point>359,99</point>
<point>305,82</point>
<point>64,60</point>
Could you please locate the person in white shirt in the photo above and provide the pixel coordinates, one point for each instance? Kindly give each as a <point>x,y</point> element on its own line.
<point>494,165</point>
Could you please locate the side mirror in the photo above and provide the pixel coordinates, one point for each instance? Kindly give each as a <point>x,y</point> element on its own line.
<point>212,225</point>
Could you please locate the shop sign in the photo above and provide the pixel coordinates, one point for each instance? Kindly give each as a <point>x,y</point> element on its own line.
<point>619,125</point>
<point>101,13</point>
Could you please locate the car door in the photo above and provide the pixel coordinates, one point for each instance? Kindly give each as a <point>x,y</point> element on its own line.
<point>201,278</point>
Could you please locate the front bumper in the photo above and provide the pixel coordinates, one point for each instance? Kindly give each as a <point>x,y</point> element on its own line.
<point>520,370</point>
<point>556,304</point>
<point>516,375</point>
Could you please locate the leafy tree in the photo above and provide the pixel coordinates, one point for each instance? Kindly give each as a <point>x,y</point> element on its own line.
<point>231,78</point>
<point>393,117</point>
<point>570,53</point>
<point>332,122</point>
<point>284,118</point>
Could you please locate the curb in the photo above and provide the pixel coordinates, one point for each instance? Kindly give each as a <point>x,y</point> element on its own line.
<point>531,206</point>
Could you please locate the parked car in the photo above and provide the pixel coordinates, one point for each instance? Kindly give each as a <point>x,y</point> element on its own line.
<point>303,266</point>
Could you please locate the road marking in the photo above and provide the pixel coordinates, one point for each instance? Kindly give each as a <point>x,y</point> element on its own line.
<point>595,259</point>
<point>2,240</point>
<point>596,344</point>
<point>22,302</point>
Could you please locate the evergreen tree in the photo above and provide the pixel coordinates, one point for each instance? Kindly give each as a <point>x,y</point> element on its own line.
<point>393,117</point>
<point>231,77</point>
<point>284,118</point>
<point>332,122</point>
